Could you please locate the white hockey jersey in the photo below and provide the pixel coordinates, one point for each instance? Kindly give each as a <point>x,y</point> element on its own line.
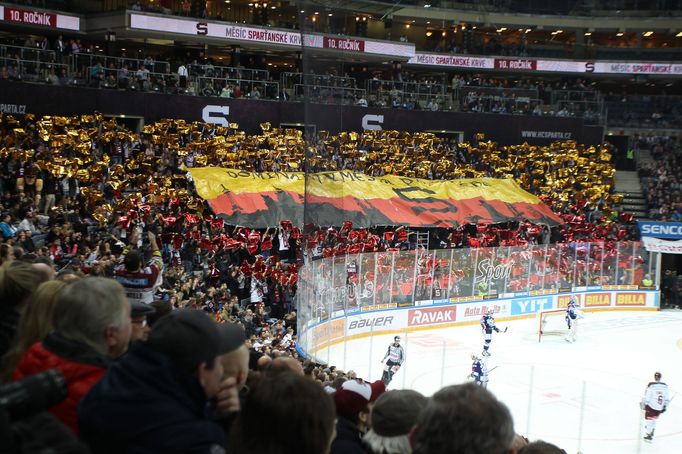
<point>657,395</point>
<point>395,354</point>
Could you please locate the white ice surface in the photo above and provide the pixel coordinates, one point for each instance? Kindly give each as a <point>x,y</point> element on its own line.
<point>582,396</point>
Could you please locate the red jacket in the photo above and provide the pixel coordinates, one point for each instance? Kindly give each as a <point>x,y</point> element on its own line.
<point>81,366</point>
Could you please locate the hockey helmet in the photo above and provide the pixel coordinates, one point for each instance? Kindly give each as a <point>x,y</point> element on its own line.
<point>489,312</point>
<point>657,376</point>
<point>474,357</point>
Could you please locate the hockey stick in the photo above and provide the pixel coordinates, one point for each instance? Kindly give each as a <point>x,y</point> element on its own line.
<point>490,370</point>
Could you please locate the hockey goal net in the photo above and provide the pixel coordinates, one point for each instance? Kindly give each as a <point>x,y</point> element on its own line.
<point>551,323</point>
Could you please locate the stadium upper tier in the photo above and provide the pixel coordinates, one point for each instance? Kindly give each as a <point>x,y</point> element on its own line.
<point>480,29</point>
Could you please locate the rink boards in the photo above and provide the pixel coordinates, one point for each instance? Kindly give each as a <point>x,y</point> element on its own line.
<point>430,314</point>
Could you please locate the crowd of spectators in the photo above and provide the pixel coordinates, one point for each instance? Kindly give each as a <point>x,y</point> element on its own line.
<point>661,178</point>
<point>83,199</point>
<point>645,111</point>
<point>72,62</point>
<point>176,380</point>
<point>73,190</point>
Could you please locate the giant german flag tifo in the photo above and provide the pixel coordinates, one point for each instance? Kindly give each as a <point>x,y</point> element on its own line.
<point>264,199</point>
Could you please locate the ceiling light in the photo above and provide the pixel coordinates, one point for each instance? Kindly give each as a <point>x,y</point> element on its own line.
<point>302,11</point>
<point>620,34</point>
<point>428,22</point>
<point>647,34</point>
<point>528,30</point>
<point>317,12</point>
<point>588,33</point>
<point>679,35</point>
<point>330,14</point>
<point>407,25</point>
<point>429,33</point>
<point>428,5</point>
<point>444,34</point>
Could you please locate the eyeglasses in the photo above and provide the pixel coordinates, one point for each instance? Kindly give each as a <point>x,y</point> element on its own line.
<point>142,322</point>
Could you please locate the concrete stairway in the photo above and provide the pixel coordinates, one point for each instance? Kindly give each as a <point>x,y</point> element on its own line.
<point>628,185</point>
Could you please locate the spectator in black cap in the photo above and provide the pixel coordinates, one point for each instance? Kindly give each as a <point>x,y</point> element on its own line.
<point>138,319</point>
<point>163,395</point>
<point>162,308</point>
<point>393,416</point>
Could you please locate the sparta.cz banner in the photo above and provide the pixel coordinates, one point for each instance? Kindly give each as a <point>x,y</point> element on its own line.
<point>264,199</point>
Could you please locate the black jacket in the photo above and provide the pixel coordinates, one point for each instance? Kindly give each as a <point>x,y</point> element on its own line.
<point>348,438</point>
<point>144,404</point>
<point>9,320</point>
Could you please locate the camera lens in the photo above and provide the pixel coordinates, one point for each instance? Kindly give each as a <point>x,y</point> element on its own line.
<point>33,394</point>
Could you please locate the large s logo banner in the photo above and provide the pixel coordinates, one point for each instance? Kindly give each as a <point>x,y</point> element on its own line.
<point>216,115</point>
<point>264,199</point>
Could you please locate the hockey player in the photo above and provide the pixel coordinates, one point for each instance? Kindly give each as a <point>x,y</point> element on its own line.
<point>479,371</point>
<point>488,326</point>
<point>571,320</point>
<point>655,401</point>
<point>396,357</point>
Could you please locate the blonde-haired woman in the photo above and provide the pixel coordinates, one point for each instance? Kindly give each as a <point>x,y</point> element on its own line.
<point>35,323</point>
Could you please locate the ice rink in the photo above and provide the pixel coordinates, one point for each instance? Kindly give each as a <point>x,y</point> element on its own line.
<point>583,396</point>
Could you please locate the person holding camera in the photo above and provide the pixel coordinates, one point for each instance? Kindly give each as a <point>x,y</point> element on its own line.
<point>91,327</point>
<point>138,279</point>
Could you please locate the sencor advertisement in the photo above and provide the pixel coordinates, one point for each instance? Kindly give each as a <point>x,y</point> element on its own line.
<point>666,230</point>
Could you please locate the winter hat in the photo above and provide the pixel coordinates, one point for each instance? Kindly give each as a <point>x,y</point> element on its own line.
<point>395,412</point>
<point>355,395</point>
